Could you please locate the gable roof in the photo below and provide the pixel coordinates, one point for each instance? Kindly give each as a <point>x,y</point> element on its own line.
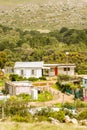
<point>38,64</point>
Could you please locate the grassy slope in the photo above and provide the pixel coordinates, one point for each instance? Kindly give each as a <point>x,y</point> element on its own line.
<point>43,14</point>
<point>38,126</point>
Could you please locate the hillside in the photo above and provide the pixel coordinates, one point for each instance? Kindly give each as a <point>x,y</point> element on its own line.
<point>43,15</point>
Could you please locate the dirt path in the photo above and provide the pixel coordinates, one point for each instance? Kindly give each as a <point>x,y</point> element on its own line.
<point>59,97</point>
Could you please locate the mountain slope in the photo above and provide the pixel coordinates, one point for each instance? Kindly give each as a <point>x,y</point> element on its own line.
<point>44,14</point>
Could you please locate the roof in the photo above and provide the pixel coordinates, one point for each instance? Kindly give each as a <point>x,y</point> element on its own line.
<point>38,64</point>
<point>59,65</point>
<point>84,77</point>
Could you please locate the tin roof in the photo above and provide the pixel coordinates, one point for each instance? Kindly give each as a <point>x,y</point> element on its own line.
<point>38,64</point>
<point>59,65</point>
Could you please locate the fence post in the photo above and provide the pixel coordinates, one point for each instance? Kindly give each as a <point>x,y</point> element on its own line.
<point>3,113</point>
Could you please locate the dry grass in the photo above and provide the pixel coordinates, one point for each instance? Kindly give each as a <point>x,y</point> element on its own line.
<point>38,126</point>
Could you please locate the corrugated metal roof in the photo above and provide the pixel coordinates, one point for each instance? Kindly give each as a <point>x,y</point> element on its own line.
<point>59,65</point>
<point>38,64</point>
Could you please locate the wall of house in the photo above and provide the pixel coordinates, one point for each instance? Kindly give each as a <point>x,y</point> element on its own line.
<point>62,71</point>
<point>85,94</point>
<point>84,83</point>
<point>29,72</point>
<point>23,89</point>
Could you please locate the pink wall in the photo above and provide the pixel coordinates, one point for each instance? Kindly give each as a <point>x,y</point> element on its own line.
<point>85,98</point>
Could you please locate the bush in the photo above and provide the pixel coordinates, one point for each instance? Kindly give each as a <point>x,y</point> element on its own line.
<point>15,77</point>
<point>24,96</point>
<point>63,78</point>
<point>81,104</point>
<point>15,106</point>
<point>43,78</point>
<point>45,96</point>
<point>60,115</point>
<point>68,105</point>
<point>32,79</point>
<point>19,118</point>
<point>82,115</point>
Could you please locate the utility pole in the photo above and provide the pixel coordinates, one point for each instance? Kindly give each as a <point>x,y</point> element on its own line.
<point>67,54</point>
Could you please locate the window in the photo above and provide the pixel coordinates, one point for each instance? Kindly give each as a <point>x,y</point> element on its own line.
<point>52,69</point>
<point>32,72</point>
<point>22,72</point>
<point>85,81</point>
<point>67,69</point>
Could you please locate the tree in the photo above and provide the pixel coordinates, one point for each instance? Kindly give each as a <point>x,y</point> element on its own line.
<point>3,59</point>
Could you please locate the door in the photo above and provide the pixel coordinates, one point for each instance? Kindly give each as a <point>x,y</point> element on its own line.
<point>56,71</point>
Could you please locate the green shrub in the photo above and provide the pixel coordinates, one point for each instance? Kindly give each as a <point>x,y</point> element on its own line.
<point>32,79</point>
<point>18,118</point>
<point>43,78</point>
<point>68,105</point>
<point>63,78</point>
<point>45,96</point>
<point>5,91</point>
<point>60,115</point>
<point>81,104</point>
<point>15,77</point>
<point>44,112</point>
<point>24,96</point>
<point>82,115</point>
<point>15,106</point>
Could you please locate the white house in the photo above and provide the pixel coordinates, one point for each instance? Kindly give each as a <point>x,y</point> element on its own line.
<point>39,69</point>
<point>29,69</point>
<point>57,69</point>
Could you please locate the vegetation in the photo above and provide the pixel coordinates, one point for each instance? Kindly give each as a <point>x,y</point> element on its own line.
<point>15,77</point>
<point>82,115</point>
<point>19,45</point>
<point>38,126</point>
<point>45,96</point>
<point>25,97</point>
<point>1,83</point>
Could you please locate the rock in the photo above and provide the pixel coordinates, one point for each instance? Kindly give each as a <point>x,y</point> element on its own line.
<point>54,121</point>
<point>74,121</point>
<point>67,119</point>
<point>83,122</point>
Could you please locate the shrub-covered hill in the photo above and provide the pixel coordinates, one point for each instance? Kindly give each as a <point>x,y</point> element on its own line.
<point>18,45</point>
<point>43,14</point>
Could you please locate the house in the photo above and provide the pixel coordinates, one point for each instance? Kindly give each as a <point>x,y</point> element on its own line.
<point>9,70</point>
<point>84,85</point>
<point>57,69</point>
<point>29,69</point>
<point>21,87</point>
<point>18,87</point>
<point>39,69</point>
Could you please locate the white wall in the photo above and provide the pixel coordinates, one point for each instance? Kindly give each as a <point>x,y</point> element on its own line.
<point>28,72</point>
<point>61,71</point>
<point>23,89</point>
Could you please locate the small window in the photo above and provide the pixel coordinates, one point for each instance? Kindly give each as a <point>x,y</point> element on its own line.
<point>22,72</point>
<point>67,69</point>
<point>85,81</point>
<point>32,72</point>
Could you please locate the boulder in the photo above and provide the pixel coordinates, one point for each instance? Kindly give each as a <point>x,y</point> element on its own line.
<point>67,119</point>
<point>83,122</point>
<point>74,121</point>
<point>54,121</point>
